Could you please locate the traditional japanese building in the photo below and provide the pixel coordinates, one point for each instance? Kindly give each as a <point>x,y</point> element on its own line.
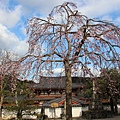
<point>50,88</point>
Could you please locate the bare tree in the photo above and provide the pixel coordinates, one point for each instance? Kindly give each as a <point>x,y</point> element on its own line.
<point>67,39</point>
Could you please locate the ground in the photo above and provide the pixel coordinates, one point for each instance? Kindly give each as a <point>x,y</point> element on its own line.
<point>114,118</point>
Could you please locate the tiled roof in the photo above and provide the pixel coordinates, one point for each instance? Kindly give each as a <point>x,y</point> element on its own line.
<point>54,83</point>
<point>61,101</point>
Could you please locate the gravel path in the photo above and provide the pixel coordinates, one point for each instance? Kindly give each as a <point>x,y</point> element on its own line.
<point>113,118</point>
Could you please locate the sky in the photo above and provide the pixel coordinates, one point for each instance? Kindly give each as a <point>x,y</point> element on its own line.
<point>14,15</point>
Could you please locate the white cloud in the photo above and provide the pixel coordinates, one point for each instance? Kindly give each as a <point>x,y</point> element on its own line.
<point>41,7</point>
<point>117,20</point>
<point>107,17</point>
<point>9,41</point>
<point>23,30</point>
<point>78,72</point>
<point>9,17</point>
<point>98,8</point>
<point>59,71</point>
<point>91,8</point>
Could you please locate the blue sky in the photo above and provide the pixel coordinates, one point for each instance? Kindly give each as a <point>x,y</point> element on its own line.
<point>15,13</point>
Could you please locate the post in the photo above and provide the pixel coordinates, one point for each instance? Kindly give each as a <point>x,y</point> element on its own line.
<point>94,91</point>
<point>65,110</point>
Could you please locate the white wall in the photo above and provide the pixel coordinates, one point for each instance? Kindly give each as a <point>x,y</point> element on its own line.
<point>118,109</point>
<point>50,112</point>
<point>53,112</point>
<point>76,111</point>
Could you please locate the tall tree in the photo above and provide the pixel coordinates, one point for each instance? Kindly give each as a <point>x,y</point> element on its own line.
<point>8,70</point>
<point>109,86</point>
<point>22,99</point>
<point>67,39</point>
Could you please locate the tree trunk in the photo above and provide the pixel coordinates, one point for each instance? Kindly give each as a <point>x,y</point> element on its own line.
<point>1,102</point>
<point>112,104</point>
<point>19,112</point>
<point>1,98</point>
<point>116,108</point>
<point>19,115</point>
<point>0,112</point>
<point>68,92</point>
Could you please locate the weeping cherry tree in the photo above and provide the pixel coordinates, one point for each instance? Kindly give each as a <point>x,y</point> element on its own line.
<point>71,41</point>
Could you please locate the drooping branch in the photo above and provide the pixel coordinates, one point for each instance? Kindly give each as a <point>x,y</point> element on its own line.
<point>71,41</point>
